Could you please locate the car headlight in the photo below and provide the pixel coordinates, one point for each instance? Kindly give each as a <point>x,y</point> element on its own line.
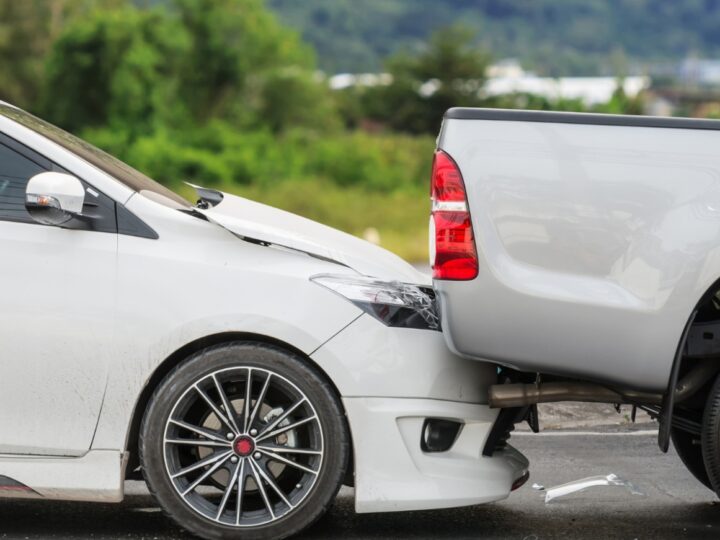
<point>393,303</point>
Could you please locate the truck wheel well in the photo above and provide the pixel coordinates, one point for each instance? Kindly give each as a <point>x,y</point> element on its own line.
<point>698,350</point>
<point>703,333</point>
<point>167,365</point>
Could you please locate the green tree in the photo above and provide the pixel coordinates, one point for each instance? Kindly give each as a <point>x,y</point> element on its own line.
<point>292,97</point>
<point>449,73</point>
<point>27,31</point>
<point>235,46</point>
<point>114,68</point>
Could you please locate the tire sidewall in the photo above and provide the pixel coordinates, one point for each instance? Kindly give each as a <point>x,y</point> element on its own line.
<point>691,455</point>
<point>710,436</point>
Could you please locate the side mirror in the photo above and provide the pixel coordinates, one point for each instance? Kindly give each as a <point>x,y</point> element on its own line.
<point>53,198</point>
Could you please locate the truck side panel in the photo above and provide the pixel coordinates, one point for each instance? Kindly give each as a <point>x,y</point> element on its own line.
<point>595,244</point>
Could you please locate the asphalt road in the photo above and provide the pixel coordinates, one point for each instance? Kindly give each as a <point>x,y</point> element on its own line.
<point>673,506</point>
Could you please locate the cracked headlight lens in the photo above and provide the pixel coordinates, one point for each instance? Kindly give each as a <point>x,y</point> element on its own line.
<point>393,303</point>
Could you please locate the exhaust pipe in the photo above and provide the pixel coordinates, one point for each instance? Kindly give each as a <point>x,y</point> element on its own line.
<point>503,396</point>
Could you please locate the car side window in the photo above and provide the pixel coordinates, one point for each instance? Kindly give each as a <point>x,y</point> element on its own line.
<point>15,171</point>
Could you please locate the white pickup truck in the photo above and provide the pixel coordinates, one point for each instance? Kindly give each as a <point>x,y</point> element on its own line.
<point>582,253</point>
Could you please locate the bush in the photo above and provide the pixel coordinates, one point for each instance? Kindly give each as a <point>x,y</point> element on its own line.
<point>221,156</point>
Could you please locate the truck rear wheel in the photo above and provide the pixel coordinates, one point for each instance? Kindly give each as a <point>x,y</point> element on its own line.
<point>711,436</point>
<point>689,448</point>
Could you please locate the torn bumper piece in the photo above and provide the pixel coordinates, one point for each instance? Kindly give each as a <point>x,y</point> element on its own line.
<point>576,486</point>
<point>393,473</point>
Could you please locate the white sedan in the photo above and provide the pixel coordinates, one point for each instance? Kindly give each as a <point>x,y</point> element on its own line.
<point>245,361</point>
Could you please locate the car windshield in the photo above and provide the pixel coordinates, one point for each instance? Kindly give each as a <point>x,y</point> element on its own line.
<point>122,172</point>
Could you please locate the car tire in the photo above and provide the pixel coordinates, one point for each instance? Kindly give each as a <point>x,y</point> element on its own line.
<point>711,436</point>
<point>689,449</point>
<point>288,451</point>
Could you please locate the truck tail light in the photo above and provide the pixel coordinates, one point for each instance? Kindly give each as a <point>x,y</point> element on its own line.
<point>452,246</point>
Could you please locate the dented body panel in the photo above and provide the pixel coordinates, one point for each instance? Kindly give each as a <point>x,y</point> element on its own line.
<point>258,221</point>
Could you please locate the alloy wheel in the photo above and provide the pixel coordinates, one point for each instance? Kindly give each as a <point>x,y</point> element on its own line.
<point>243,446</point>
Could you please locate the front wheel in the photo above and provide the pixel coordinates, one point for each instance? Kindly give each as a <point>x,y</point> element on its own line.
<point>244,441</point>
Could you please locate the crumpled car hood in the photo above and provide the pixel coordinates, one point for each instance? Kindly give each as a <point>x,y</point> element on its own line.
<point>257,221</point>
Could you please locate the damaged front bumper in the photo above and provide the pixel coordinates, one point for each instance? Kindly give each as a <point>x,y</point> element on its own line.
<point>393,381</point>
<point>393,473</point>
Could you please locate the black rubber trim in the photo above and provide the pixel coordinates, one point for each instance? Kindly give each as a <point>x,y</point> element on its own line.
<point>504,424</point>
<point>131,225</point>
<point>668,402</point>
<point>510,115</point>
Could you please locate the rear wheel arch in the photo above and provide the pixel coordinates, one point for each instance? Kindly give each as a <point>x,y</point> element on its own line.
<point>185,352</point>
<point>699,313</point>
<point>704,310</point>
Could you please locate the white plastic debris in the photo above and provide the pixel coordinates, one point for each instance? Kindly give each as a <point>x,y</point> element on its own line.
<point>538,487</point>
<point>589,482</point>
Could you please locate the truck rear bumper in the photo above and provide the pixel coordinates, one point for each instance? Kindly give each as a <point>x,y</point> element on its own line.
<point>393,473</point>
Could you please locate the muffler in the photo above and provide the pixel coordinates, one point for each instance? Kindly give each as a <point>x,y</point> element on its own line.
<point>502,396</point>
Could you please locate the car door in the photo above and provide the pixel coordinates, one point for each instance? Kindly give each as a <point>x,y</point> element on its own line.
<point>57,309</point>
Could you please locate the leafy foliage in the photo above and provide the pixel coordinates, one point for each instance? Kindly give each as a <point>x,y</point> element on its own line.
<point>28,29</point>
<point>234,45</point>
<point>183,65</point>
<point>218,155</point>
<point>450,72</point>
<point>113,67</point>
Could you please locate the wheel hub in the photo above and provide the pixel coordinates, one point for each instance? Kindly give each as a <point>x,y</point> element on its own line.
<point>244,446</point>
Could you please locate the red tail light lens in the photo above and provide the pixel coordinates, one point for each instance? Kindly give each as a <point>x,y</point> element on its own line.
<point>453,254</point>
